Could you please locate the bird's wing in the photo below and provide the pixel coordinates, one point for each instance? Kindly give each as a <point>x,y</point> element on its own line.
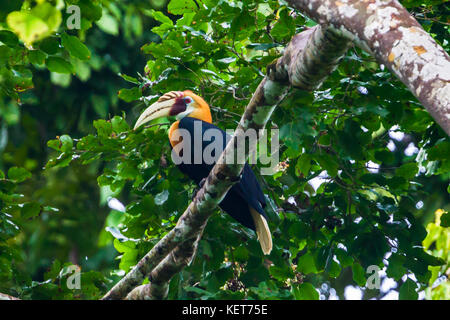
<point>248,187</point>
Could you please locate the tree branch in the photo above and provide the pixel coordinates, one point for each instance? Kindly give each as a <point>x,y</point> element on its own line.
<point>172,264</point>
<point>294,66</point>
<point>386,30</point>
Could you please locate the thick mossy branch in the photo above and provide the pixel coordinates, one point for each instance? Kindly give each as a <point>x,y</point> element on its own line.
<point>267,96</point>
<point>172,264</point>
<point>386,30</point>
<point>307,68</point>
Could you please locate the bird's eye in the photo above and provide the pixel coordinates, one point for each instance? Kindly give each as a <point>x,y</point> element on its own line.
<point>187,100</point>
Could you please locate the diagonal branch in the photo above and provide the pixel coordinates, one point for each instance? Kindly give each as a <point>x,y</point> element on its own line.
<point>325,48</point>
<point>385,29</point>
<point>172,264</point>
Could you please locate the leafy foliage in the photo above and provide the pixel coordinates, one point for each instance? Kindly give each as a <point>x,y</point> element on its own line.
<point>437,243</point>
<point>376,193</point>
<point>57,102</point>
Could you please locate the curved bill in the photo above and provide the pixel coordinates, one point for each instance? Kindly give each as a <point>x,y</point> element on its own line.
<point>157,110</point>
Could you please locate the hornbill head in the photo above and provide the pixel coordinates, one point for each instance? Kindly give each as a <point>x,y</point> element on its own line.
<point>179,104</point>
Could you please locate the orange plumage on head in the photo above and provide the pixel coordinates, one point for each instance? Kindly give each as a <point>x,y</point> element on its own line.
<point>202,110</point>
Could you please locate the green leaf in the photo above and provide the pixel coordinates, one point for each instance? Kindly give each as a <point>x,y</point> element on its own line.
<point>129,78</point>
<point>408,291</point>
<point>108,24</point>
<point>30,210</point>
<point>241,254</point>
<point>325,140</point>
<point>18,174</point>
<point>358,274</point>
<point>161,17</point>
<point>90,11</point>
<point>173,49</point>
<point>303,164</point>
<point>129,257</point>
<point>284,28</point>
<point>335,269</point>
<point>82,70</point>
<point>242,23</point>
<point>8,38</point>
<point>37,57</point>
<point>370,247</point>
<point>35,24</point>
<point>181,6</point>
<point>418,232</point>
<point>63,160</point>
<point>306,264</point>
<point>75,47</point>
<point>49,14</point>
<point>327,163</point>
<point>395,269</point>
<point>54,144</point>
<point>49,45</point>
<point>54,270</point>
<point>445,220</point>
<point>407,170</point>
<point>23,78</point>
<point>281,273</point>
<point>119,124</point>
<point>129,95</point>
<point>305,291</point>
<point>59,65</point>
<point>295,132</point>
<point>440,151</point>
<point>27,26</point>
<point>66,143</point>
<point>104,128</point>
<point>127,170</point>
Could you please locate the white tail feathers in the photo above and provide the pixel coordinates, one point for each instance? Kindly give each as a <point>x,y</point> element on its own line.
<point>262,231</point>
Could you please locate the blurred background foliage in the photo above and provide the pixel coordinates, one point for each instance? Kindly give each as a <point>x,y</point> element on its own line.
<point>363,177</point>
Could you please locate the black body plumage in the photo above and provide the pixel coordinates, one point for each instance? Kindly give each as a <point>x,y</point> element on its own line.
<point>244,193</point>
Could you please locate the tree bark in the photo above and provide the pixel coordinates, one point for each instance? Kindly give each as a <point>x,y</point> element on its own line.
<point>385,29</point>
<point>172,264</point>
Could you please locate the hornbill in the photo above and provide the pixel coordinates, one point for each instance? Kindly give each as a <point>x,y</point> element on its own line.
<point>244,201</point>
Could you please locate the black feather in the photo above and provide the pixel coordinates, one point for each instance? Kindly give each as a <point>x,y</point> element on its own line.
<point>244,193</point>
